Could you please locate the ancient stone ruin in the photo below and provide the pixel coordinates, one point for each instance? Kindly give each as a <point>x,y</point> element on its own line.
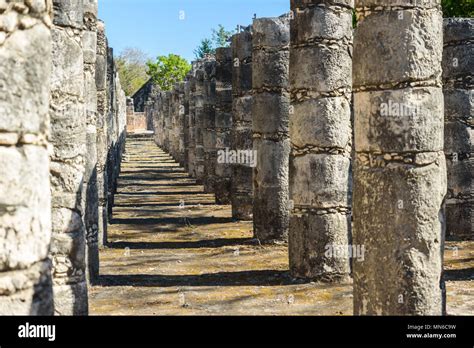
<point>321,138</point>
<point>350,159</point>
<point>399,169</point>
<point>62,135</point>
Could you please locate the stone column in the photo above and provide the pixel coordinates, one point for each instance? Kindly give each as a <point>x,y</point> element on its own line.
<point>90,194</point>
<point>101,125</point>
<point>270,113</point>
<point>400,170</point>
<point>242,142</point>
<point>111,130</point>
<point>223,123</point>
<point>181,115</point>
<point>321,139</point>
<point>121,126</point>
<point>458,63</point>
<point>199,123</point>
<point>159,119</point>
<point>68,136</point>
<point>191,121</point>
<point>186,125</point>
<point>209,127</point>
<point>25,197</point>
<point>169,122</point>
<point>173,120</point>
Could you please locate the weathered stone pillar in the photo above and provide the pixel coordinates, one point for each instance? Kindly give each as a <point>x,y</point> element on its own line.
<point>121,117</point>
<point>111,130</point>
<point>223,123</point>
<point>400,169</point>
<point>458,65</point>
<point>90,194</point>
<point>242,141</point>
<point>25,197</point>
<point>321,139</point>
<point>199,110</point>
<point>270,113</point>
<point>181,116</point>
<point>68,136</point>
<point>168,120</point>
<point>191,122</point>
<point>209,127</point>
<point>186,125</point>
<point>173,120</point>
<point>157,119</point>
<point>101,125</point>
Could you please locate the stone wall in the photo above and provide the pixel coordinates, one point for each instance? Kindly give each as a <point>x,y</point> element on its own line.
<point>58,124</point>
<point>136,122</point>
<point>146,93</point>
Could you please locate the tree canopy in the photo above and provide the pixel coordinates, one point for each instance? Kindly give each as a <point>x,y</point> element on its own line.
<point>132,69</point>
<point>204,48</point>
<point>458,8</point>
<point>168,70</point>
<point>220,38</point>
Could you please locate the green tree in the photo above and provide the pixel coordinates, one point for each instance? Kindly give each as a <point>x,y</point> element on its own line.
<point>458,8</point>
<point>168,70</point>
<point>131,66</point>
<point>221,36</point>
<point>204,48</point>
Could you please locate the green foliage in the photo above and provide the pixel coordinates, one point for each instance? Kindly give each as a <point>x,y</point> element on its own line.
<point>168,70</point>
<point>220,38</point>
<point>204,48</point>
<point>458,8</point>
<point>131,66</point>
<point>451,8</point>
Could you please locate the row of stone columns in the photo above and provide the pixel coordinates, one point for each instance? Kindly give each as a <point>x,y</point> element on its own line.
<point>56,133</point>
<point>458,84</point>
<point>347,125</point>
<point>25,195</point>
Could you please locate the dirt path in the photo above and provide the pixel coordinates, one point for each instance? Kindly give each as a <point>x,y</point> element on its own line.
<point>172,251</point>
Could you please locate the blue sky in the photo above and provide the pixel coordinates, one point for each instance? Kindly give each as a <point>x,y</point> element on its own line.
<point>155,26</point>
